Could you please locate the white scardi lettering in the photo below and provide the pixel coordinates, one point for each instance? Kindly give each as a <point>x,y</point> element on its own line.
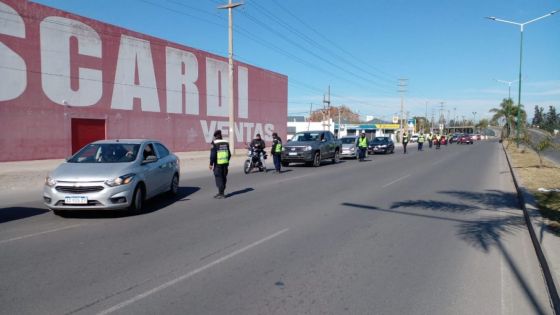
<point>135,59</point>
<point>13,71</point>
<point>56,33</point>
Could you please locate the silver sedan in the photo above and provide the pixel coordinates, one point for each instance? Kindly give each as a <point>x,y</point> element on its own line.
<point>112,174</point>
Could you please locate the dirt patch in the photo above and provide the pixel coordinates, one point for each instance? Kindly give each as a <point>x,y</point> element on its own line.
<point>533,176</point>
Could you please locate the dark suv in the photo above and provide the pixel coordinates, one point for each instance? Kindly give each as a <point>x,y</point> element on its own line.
<point>311,147</point>
<point>381,145</point>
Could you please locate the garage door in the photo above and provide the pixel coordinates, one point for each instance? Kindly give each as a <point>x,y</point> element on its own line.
<point>85,131</point>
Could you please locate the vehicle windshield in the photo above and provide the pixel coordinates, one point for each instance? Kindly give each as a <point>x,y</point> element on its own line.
<point>348,140</point>
<point>106,153</point>
<point>306,136</point>
<point>380,139</point>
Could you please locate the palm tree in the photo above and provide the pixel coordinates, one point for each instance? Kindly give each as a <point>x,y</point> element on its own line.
<point>508,111</point>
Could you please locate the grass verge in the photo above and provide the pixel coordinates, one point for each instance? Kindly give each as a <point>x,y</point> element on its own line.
<point>534,176</point>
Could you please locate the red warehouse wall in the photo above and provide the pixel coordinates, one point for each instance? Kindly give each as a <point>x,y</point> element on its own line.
<point>56,66</point>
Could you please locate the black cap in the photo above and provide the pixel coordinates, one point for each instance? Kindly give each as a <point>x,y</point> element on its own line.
<point>217,133</point>
<point>258,134</point>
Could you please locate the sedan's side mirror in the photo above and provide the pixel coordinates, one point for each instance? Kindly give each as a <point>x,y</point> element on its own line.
<point>150,159</point>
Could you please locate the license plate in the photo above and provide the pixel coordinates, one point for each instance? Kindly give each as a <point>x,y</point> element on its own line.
<point>78,200</point>
<point>292,153</point>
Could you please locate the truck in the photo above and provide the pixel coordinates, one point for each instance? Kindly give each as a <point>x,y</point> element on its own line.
<point>311,148</point>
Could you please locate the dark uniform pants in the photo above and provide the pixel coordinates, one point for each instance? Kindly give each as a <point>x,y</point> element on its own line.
<point>404,146</point>
<point>277,158</point>
<point>430,143</point>
<point>220,174</point>
<point>362,153</point>
<point>420,145</point>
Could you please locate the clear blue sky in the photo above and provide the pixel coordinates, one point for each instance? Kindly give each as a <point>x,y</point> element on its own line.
<point>446,49</point>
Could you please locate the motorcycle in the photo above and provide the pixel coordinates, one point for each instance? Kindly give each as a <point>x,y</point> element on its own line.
<point>254,161</point>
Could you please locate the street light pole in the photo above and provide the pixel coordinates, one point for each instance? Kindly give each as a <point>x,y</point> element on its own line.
<point>509,85</point>
<point>521,28</point>
<point>229,7</point>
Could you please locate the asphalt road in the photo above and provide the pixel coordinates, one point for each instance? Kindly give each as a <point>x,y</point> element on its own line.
<point>433,232</point>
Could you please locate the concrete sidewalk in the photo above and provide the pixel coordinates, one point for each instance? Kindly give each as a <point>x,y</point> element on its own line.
<point>32,174</point>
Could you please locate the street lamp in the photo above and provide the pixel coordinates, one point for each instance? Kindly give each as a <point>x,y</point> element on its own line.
<point>474,121</point>
<point>509,85</point>
<point>231,6</point>
<point>521,27</point>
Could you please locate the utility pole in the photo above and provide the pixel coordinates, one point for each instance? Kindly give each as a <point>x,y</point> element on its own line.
<point>327,106</point>
<point>433,118</point>
<point>309,119</point>
<point>403,84</point>
<point>229,7</point>
<point>441,118</point>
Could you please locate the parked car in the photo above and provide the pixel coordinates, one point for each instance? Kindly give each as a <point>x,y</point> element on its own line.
<point>381,145</point>
<point>311,147</point>
<point>413,139</point>
<point>466,139</point>
<point>478,136</point>
<point>111,175</point>
<point>349,147</point>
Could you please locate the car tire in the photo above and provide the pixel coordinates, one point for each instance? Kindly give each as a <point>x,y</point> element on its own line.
<point>317,159</point>
<point>137,200</point>
<point>336,158</point>
<point>174,186</point>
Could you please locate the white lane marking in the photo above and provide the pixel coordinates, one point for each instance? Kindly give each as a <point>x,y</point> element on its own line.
<point>190,274</point>
<point>396,180</point>
<point>39,233</point>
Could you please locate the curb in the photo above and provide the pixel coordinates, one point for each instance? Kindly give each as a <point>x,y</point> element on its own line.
<point>535,222</point>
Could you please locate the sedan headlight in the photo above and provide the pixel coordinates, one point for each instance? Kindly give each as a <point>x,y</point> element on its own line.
<point>49,181</point>
<point>121,180</point>
<point>307,148</point>
<point>352,149</point>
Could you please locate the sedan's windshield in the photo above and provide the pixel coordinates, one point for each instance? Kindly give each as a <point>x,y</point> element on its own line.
<point>306,136</point>
<point>380,139</point>
<point>106,153</point>
<point>348,140</point>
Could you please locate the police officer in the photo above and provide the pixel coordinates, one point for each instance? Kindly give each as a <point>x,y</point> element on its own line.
<point>219,162</point>
<point>404,141</point>
<point>438,140</point>
<point>362,146</point>
<point>276,152</point>
<point>420,141</point>
<point>430,140</point>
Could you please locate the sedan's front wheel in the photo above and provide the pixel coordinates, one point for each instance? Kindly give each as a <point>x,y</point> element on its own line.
<point>137,200</point>
<point>174,187</point>
<point>317,159</point>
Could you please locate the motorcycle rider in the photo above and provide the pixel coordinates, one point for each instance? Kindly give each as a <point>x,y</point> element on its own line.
<point>257,145</point>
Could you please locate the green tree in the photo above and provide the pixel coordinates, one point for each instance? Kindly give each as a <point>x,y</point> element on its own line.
<point>538,119</point>
<point>483,124</point>
<point>539,145</point>
<point>508,112</point>
<point>551,119</point>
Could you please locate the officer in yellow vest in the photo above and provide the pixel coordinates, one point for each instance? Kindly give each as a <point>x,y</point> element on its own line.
<point>219,162</point>
<point>276,152</point>
<point>362,146</point>
<point>405,141</point>
<point>438,140</point>
<point>421,138</point>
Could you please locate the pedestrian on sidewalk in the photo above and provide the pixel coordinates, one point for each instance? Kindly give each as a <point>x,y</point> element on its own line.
<point>219,162</point>
<point>404,141</point>
<point>420,141</point>
<point>276,152</point>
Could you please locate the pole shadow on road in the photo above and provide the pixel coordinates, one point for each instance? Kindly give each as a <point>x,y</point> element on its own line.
<point>18,213</point>
<point>484,233</point>
<point>152,205</point>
